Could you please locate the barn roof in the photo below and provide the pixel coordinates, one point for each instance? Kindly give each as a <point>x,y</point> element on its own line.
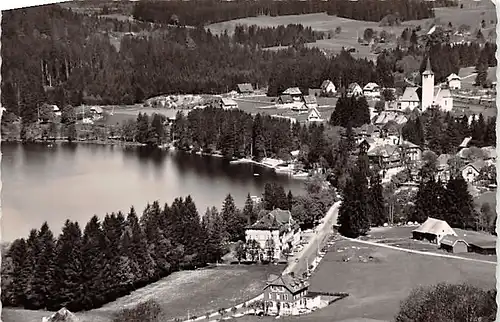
<point>435,227</point>
<point>451,240</point>
<point>293,91</point>
<point>245,88</point>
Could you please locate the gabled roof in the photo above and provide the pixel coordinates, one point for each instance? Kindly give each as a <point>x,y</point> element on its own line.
<point>294,285</point>
<point>453,76</point>
<point>285,98</point>
<point>451,240</point>
<point>477,165</point>
<point>314,113</point>
<point>370,86</point>
<point>384,151</point>
<point>465,142</point>
<point>435,227</point>
<point>228,101</point>
<point>274,220</point>
<point>353,87</point>
<point>326,83</point>
<point>245,88</point>
<point>96,109</point>
<point>410,95</point>
<point>310,100</point>
<point>293,91</point>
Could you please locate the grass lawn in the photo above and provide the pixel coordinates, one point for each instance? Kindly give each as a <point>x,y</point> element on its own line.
<point>377,288</point>
<point>197,291</point>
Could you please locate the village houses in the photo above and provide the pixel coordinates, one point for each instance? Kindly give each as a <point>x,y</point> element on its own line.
<point>276,233</point>
<point>371,90</point>
<point>354,90</point>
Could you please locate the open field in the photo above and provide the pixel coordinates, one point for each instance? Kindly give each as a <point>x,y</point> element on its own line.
<point>198,291</point>
<point>468,76</point>
<point>377,287</point>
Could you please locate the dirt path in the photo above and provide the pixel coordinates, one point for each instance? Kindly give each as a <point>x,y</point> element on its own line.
<point>419,252</point>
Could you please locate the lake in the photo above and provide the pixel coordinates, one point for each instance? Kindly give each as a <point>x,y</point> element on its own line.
<point>76,181</point>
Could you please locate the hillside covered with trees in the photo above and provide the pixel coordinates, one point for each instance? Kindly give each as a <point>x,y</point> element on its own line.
<point>204,12</point>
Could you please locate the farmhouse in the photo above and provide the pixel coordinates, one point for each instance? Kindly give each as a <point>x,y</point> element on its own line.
<point>245,88</point>
<point>471,170</point>
<point>354,90</point>
<point>454,81</point>
<point>286,295</point>
<point>371,90</point>
<point>275,233</point>
<point>454,244</point>
<point>228,103</point>
<point>294,92</point>
<point>433,230</point>
<point>328,88</point>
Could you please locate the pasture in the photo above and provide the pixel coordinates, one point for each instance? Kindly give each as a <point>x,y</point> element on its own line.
<point>182,293</point>
<point>377,287</point>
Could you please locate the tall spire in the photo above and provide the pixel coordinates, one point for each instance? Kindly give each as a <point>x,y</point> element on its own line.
<point>428,69</point>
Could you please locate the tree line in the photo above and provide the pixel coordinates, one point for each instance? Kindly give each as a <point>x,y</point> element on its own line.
<point>82,270</point>
<point>237,134</point>
<point>202,13</point>
<point>443,133</point>
<point>292,34</point>
<point>55,56</point>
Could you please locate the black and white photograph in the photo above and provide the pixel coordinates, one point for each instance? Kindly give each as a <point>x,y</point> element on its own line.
<point>249,160</point>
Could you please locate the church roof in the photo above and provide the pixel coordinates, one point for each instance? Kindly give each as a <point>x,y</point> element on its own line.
<point>410,94</point>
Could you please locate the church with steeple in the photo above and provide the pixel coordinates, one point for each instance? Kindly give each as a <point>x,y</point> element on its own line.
<point>428,95</point>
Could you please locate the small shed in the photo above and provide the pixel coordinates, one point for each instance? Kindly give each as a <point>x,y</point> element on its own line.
<point>454,244</point>
<point>486,247</point>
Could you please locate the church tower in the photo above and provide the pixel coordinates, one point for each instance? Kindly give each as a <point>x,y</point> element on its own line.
<point>427,87</point>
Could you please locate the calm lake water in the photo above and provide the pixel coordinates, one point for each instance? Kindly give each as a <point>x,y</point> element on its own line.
<point>77,181</point>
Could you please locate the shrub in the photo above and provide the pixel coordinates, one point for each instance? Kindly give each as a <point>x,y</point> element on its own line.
<point>448,302</point>
<point>148,311</point>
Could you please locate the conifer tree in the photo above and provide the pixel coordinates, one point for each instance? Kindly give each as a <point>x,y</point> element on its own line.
<point>376,201</point>
<point>353,213</point>
<point>248,211</point>
<point>43,274</point>
<point>68,268</point>
<point>28,271</point>
<point>139,248</point>
<point>18,255</point>
<point>460,210</point>
<point>92,256</point>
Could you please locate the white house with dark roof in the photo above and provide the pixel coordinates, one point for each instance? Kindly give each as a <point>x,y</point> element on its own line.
<point>286,295</point>
<point>454,81</point>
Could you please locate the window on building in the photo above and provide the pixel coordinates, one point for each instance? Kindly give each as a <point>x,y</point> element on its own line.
<point>285,297</point>
<point>277,297</point>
